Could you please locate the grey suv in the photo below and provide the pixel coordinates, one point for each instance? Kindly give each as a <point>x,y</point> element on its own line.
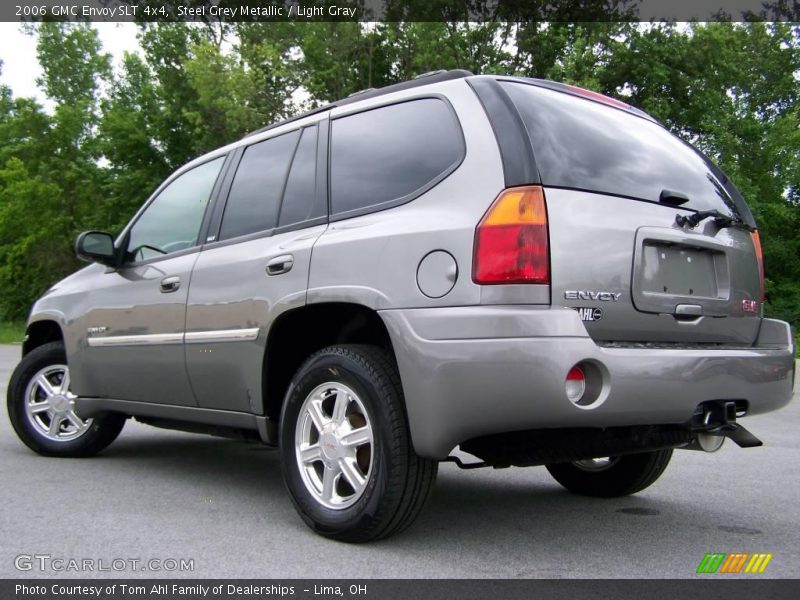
<point>517,270</point>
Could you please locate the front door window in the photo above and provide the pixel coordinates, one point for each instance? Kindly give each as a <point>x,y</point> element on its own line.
<point>172,221</point>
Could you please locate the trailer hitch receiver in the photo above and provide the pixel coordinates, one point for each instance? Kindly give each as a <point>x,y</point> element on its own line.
<point>718,418</point>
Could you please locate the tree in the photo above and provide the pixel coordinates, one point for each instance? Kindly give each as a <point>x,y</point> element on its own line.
<point>132,138</point>
<point>420,47</point>
<point>732,90</point>
<point>239,90</point>
<point>729,88</point>
<point>339,59</point>
<point>58,187</point>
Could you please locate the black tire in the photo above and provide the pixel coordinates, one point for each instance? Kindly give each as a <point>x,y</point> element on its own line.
<point>103,430</point>
<point>398,481</point>
<point>624,476</point>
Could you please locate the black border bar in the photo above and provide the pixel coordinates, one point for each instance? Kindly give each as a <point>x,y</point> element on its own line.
<point>707,587</point>
<point>210,11</point>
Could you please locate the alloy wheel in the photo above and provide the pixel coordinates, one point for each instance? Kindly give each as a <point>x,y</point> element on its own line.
<point>50,405</point>
<point>334,445</point>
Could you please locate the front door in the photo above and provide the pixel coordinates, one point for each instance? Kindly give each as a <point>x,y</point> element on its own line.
<point>135,326</point>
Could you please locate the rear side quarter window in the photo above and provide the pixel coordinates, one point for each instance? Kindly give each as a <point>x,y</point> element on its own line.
<point>390,155</point>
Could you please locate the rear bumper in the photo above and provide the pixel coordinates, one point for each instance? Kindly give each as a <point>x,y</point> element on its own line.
<point>474,371</point>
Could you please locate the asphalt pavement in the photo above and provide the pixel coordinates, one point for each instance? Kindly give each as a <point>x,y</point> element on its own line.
<point>169,495</point>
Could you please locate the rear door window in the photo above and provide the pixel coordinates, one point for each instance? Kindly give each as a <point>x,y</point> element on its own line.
<point>391,154</point>
<point>255,194</point>
<point>300,199</point>
<point>585,145</point>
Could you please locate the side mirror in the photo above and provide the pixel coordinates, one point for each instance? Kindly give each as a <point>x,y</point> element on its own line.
<point>96,246</point>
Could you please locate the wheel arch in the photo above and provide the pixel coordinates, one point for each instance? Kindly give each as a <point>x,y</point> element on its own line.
<point>298,333</point>
<point>41,332</point>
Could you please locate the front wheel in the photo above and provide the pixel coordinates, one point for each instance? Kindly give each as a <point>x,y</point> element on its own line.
<point>346,452</point>
<point>41,408</point>
<point>612,476</point>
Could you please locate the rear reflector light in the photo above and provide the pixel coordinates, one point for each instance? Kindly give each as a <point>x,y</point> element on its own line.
<point>576,384</point>
<point>511,241</point>
<point>760,259</point>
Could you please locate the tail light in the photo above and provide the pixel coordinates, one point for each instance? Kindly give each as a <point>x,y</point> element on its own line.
<point>511,241</point>
<point>760,259</point>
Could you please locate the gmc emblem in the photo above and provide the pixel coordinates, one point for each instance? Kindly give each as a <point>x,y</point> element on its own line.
<point>750,306</point>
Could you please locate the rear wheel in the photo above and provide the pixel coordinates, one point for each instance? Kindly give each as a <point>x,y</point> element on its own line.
<point>346,452</point>
<point>611,476</point>
<point>41,407</point>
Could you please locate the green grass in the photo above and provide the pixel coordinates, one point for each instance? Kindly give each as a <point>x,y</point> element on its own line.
<point>12,333</point>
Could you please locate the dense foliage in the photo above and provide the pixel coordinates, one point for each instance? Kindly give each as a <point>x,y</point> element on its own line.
<point>90,160</point>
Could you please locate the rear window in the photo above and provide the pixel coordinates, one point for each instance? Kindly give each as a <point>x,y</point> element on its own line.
<point>585,145</point>
<point>389,155</point>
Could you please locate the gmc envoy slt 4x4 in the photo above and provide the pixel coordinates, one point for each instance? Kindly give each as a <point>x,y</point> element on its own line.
<point>520,270</point>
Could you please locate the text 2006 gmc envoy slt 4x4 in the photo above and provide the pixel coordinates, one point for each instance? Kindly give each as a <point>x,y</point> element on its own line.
<point>525,271</point>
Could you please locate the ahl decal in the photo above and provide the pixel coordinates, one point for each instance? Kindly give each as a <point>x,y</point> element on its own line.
<point>589,313</point>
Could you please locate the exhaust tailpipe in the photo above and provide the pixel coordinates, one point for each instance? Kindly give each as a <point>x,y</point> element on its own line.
<point>706,442</point>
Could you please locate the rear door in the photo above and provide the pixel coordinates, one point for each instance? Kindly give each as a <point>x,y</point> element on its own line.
<point>614,184</point>
<point>254,265</point>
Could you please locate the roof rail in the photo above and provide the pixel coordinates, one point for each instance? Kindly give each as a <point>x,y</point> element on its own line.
<point>417,81</point>
<point>308,113</point>
<point>429,73</point>
<point>359,92</point>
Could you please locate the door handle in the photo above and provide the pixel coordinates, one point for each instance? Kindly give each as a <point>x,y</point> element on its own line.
<point>689,310</point>
<point>280,264</point>
<point>170,284</point>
